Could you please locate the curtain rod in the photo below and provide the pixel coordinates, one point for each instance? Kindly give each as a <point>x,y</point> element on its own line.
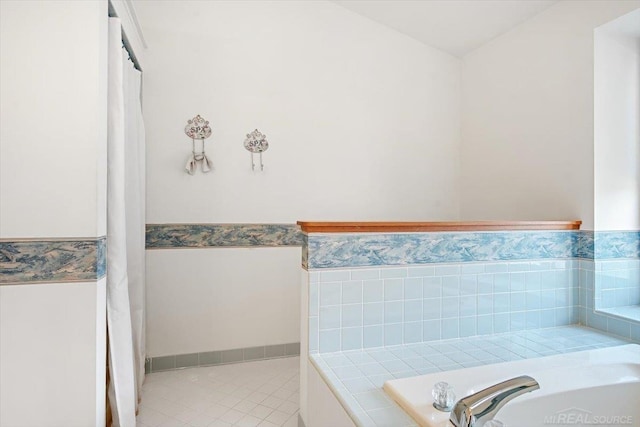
<point>125,41</point>
<point>132,56</point>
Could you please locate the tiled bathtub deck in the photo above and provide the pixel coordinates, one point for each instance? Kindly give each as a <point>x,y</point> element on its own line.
<point>356,377</point>
<point>629,312</point>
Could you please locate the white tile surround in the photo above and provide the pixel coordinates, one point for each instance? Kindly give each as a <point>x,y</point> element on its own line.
<point>263,393</point>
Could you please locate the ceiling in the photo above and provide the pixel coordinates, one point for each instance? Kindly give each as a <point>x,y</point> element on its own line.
<point>455,26</point>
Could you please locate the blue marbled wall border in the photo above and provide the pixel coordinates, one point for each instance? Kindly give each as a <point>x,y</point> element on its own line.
<point>27,261</point>
<point>169,236</point>
<point>617,244</point>
<point>101,257</point>
<point>359,250</point>
<point>305,251</point>
<point>584,247</point>
<point>333,251</point>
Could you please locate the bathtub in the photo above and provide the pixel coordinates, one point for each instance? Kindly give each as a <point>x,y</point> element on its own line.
<point>587,388</point>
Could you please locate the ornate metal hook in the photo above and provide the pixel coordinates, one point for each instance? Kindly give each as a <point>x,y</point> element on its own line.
<point>198,128</point>
<point>256,142</point>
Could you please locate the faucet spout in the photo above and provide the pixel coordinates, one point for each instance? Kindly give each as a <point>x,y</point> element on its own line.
<point>478,408</point>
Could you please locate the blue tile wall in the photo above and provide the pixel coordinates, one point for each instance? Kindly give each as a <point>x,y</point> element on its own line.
<point>372,307</point>
<point>490,283</point>
<point>623,321</point>
<point>617,283</point>
<point>612,289</point>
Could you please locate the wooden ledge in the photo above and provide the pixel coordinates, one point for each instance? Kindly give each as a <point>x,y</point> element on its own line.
<point>405,227</point>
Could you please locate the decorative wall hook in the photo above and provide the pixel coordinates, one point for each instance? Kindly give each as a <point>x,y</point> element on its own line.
<point>256,142</point>
<point>198,128</point>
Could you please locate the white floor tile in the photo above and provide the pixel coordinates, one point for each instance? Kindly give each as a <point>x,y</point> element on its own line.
<point>248,421</point>
<point>278,417</point>
<point>292,421</point>
<point>295,398</point>
<point>261,411</point>
<point>216,395</point>
<point>282,393</point>
<point>292,385</point>
<point>245,406</point>
<point>268,388</point>
<point>288,407</point>
<point>230,401</point>
<point>150,417</point>
<point>202,420</point>
<point>232,416</point>
<point>185,416</point>
<point>272,402</point>
<point>242,392</point>
<point>262,393</point>
<point>216,410</point>
<point>257,397</point>
<point>172,422</point>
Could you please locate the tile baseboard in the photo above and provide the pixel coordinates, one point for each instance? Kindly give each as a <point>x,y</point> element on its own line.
<point>222,357</point>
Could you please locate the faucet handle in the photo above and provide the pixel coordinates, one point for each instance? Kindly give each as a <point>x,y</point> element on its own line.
<point>443,396</point>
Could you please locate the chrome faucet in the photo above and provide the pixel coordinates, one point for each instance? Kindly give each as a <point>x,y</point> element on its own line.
<point>478,408</point>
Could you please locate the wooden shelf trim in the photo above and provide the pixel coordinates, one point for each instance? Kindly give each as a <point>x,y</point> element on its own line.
<point>412,227</point>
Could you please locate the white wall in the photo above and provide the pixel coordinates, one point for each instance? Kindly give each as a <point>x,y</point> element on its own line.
<point>617,124</point>
<point>527,114</point>
<point>53,71</point>
<point>48,355</point>
<point>52,184</point>
<point>363,124</point>
<point>216,299</point>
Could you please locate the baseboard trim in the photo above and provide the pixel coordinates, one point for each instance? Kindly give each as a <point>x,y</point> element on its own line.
<point>223,357</point>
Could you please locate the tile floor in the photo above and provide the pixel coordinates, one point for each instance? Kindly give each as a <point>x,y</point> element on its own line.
<point>262,393</point>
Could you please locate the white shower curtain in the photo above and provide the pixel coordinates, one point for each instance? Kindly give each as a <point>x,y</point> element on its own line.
<point>135,211</point>
<point>125,233</point>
